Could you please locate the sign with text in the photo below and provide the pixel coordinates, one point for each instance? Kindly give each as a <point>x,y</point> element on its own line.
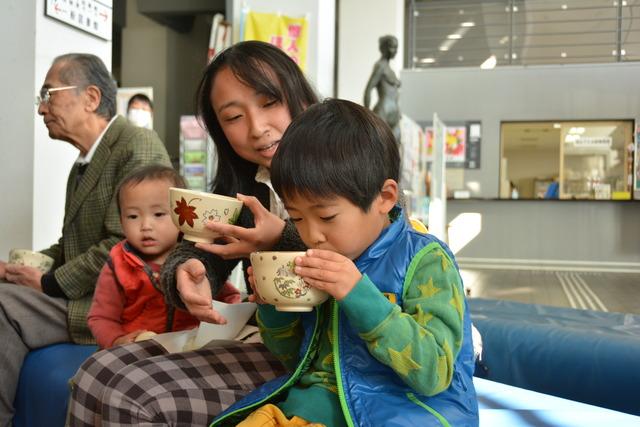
<point>94,17</point>
<point>289,34</point>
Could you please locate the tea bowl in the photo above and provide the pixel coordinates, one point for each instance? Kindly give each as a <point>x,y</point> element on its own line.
<point>278,285</point>
<point>191,210</point>
<point>31,259</point>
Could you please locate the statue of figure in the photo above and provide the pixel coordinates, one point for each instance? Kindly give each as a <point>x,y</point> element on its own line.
<point>384,79</point>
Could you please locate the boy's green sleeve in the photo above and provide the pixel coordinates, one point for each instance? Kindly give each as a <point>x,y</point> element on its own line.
<point>421,340</point>
<point>281,332</point>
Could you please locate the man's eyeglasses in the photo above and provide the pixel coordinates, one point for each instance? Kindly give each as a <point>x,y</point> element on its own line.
<point>45,93</point>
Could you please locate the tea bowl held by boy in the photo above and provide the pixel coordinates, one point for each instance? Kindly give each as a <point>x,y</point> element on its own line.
<point>278,285</point>
<point>31,259</point>
<point>191,210</point>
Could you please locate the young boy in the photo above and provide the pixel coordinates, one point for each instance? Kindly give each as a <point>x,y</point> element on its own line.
<point>127,300</point>
<point>393,346</point>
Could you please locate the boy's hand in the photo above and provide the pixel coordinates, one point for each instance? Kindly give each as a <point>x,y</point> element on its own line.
<point>242,241</point>
<point>195,292</point>
<point>252,282</point>
<point>328,271</point>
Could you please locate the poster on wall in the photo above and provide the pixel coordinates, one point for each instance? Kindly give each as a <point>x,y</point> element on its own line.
<point>94,17</point>
<point>455,145</point>
<point>474,138</point>
<point>288,33</point>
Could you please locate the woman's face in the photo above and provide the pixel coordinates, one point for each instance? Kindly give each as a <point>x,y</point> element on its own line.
<point>252,122</point>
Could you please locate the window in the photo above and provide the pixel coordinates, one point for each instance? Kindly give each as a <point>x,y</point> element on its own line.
<point>567,160</point>
<point>458,33</point>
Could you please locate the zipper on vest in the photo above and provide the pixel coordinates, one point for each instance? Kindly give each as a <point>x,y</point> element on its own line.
<point>412,397</point>
<point>302,367</point>
<point>336,364</point>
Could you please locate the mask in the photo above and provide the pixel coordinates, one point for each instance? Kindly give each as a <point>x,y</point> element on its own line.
<point>141,118</point>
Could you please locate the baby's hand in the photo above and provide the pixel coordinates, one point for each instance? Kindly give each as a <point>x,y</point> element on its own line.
<point>252,282</point>
<point>128,338</point>
<point>328,271</point>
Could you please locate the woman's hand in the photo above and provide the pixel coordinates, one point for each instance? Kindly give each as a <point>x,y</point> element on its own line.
<point>195,291</point>
<point>255,297</point>
<point>242,241</point>
<point>23,275</point>
<point>2,270</point>
<point>328,271</point>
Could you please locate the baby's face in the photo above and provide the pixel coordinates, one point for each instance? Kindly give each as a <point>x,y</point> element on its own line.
<point>336,224</point>
<point>146,220</point>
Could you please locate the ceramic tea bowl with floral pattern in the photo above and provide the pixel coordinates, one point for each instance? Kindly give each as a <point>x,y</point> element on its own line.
<point>31,259</point>
<point>278,285</point>
<point>190,210</point>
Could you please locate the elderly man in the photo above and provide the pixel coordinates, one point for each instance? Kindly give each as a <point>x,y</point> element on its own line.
<point>78,104</point>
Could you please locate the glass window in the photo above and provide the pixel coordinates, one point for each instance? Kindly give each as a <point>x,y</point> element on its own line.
<point>567,160</point>
<point>457,33</point>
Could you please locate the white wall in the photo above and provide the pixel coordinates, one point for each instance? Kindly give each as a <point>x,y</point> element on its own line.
<point>321,15</point>
<point>33,176</point>
<point>361,23</point>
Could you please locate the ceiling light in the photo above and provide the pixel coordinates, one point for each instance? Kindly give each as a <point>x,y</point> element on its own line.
<point>563,54</point>
<point>504,39</point>
<point>563,7</point>
<point>454,36</point>
<point>427,60</point>
<point>557,125</point>
<point>460,58</point>
<point>489,63</point>
<point>444,48</point>
<point>468,24</point>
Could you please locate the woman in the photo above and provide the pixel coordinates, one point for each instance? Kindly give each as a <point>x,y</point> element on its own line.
<point>247,97</point>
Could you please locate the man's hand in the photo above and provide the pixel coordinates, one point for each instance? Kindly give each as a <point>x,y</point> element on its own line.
<point>23,275</point>
<point>242,241</point>
<point>195,292</point>
<point>328,271</point>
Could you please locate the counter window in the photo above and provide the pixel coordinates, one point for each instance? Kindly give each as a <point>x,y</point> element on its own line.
<point>567,160</point>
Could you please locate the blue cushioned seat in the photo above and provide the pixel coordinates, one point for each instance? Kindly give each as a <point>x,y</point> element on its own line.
<point>583,355</point>
<point>43,388</point>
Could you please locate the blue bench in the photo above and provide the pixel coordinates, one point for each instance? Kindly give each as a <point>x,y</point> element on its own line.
<point>43,388</point>
<point>581,355</point>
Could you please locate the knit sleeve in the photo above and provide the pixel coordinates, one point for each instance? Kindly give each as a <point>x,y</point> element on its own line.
<point>420,340</point>
<point>105,315</point>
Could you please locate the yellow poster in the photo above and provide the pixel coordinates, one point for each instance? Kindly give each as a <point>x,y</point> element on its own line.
<point>289,34</point>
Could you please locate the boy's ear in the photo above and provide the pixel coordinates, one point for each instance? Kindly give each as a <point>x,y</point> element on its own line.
<point>388,196</point>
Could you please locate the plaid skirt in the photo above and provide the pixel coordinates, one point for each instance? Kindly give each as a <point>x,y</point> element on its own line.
<point>140,384</point>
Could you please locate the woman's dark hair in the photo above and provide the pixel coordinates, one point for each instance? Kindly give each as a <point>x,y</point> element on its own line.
<point>84,69</point>
<point>336,148</point>
<point>150,173</point>
<point>269,71</point>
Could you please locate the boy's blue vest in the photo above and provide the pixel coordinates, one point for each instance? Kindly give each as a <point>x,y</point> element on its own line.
<point>371,393</point>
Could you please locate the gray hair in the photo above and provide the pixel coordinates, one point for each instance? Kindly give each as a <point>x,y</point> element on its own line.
<point>84,69</point>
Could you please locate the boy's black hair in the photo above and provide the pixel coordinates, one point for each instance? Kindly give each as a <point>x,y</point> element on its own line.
<point>139,97</point>
<point>269,71</point>
<point>336,148</point>
<point>150,173</point>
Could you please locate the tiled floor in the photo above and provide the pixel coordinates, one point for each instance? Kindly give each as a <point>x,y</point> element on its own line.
<point>615,292</point>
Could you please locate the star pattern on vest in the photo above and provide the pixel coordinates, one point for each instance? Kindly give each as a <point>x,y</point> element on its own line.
<point>401,361</point>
